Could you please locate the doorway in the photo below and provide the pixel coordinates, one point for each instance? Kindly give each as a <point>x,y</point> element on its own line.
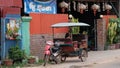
<point>89,18</point>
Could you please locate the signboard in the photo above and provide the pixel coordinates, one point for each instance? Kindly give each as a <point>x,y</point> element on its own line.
<point>40,6</point>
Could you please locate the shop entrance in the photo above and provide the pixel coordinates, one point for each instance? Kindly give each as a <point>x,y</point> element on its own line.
<point>91,32</point>
<point>89,18</point>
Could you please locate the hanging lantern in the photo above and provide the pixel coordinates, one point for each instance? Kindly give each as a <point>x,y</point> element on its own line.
<point>63,5</point>
<point>81,7</point>
<point>108,8</point>
<point>95,7</point>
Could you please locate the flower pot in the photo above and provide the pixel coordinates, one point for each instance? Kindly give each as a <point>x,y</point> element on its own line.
<point>8,62</point>
<point>31,60</point>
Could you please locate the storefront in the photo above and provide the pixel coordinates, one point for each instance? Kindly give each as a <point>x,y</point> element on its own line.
<point>88,11</point>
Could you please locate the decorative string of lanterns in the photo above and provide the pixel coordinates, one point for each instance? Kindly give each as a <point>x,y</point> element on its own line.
<point>81,7</point>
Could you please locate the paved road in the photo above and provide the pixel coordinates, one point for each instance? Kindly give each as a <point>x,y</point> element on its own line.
<point>112,64</point>
<point>95,57</point>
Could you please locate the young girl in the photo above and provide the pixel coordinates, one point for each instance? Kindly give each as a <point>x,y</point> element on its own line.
<point>83,44</point>
<point>75,44</point>
<point>68,38</point>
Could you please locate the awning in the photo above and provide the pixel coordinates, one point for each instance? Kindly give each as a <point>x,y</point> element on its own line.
<point>69,24</point>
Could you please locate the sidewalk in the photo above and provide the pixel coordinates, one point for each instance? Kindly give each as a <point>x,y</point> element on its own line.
<point>94,57</point>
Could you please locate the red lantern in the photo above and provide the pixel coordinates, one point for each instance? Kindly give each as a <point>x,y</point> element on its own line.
<point>108,8</point>
<point>63,9</point>
<point>63,5</point>
<point>81,7</point>
<point>94,11</point>
<point>95,7</point>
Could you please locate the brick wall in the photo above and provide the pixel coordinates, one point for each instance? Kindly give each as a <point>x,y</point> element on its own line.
<point>101,34</point>
<point>38,43</point>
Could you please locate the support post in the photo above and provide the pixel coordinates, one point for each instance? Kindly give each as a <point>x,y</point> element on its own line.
<point>26,34</point>
<point>95,33</point>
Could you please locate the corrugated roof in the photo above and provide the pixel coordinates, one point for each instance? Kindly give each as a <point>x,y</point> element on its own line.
<point>11,3</point>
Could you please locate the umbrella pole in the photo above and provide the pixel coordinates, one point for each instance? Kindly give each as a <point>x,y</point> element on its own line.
<point>70,31</point>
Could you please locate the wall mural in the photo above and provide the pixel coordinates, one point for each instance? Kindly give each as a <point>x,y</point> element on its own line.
<point>13,29</point>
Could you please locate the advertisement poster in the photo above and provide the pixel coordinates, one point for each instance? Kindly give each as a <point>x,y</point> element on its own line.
<point>40,6</point>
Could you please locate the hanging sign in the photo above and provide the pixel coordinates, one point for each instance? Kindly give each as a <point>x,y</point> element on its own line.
<point>40,6</point>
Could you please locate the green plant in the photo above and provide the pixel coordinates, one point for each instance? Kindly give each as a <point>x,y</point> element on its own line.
<point>112,31</point>
<point>31,59</point>
<point>117,37</point>
<point>75,30</point>
<point>16,54</point>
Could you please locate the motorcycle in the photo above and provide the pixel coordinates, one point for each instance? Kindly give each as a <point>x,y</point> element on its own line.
<point>51,52</point>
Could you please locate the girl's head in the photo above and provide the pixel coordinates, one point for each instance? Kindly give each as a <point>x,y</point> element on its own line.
<point>83,41</point>
<point>75,42</point>
<point>67,35</point>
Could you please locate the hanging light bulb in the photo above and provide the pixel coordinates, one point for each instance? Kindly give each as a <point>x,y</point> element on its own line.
<point>95,7</point>
<point>63,5</point>
<point>108,7</point>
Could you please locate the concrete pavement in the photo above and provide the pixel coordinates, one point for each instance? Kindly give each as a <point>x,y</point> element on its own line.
<point>112,64</point>
<point>94,57</point>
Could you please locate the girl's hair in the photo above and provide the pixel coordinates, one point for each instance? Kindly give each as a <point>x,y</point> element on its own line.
<point>67,35</point>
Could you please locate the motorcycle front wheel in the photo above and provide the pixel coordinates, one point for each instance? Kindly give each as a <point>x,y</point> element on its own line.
<point>46,59</point>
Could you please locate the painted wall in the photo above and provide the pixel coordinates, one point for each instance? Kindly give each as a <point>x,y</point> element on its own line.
<point>41,23</point>
<point>7,42</point>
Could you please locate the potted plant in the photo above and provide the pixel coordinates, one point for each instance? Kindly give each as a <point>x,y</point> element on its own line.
<point>31,59</point>
<point>16,54</point>
<point>7,61</point>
